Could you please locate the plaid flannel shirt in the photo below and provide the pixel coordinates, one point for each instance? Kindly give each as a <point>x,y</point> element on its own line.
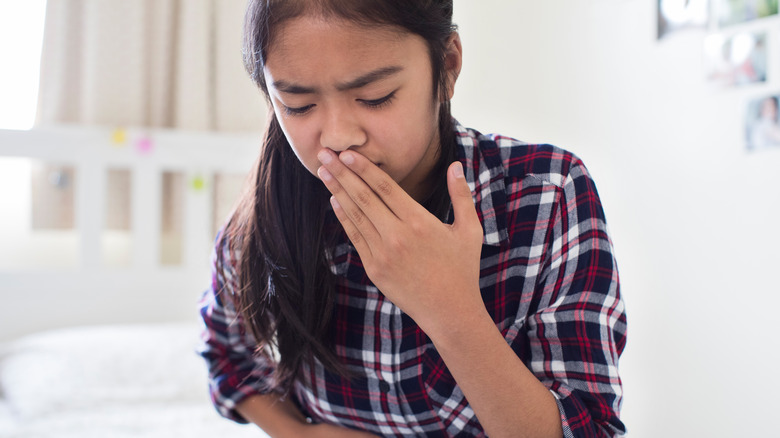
<point>548,278</point>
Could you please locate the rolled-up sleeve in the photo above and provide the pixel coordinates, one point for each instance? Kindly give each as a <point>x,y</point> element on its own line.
<point>578,332</point>
<point>235,370</point>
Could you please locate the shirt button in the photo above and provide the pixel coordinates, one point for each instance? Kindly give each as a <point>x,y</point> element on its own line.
<point>384,386</point>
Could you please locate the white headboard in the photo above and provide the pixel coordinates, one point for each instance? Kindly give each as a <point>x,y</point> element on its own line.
<point>90,291</point>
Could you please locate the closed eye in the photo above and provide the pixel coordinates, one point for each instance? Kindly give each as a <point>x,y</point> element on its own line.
<point>299,111</point>
<point>378,103</point>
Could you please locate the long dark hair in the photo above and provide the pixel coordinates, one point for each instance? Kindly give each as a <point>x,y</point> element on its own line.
<point>278,231</point>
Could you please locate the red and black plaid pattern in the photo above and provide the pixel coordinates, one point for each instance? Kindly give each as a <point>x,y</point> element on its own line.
<point>548,278</point>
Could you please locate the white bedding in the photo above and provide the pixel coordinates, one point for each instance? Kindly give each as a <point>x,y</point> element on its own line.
<point>109,381</point>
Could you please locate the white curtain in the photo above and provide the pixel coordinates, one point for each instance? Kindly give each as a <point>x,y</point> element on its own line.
<point>149,63</point>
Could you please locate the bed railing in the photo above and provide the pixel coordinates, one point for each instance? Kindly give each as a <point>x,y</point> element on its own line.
<point>65,270</point>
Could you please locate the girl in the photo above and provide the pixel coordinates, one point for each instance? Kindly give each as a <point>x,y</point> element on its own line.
<point>390,272</point>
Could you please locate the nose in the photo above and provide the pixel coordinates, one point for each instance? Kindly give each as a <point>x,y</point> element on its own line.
<point>342,131</point>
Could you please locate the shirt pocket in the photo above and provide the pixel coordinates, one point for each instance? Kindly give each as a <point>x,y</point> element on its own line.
<point>346,401</point>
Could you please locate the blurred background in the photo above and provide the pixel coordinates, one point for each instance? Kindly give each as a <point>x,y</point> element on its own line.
<point>119,162</point>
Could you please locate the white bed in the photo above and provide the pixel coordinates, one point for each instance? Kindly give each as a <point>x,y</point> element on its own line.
<point>92,350</point>
<point>109,381</point>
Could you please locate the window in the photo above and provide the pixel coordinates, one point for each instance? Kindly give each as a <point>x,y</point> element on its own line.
<point>21,39</point>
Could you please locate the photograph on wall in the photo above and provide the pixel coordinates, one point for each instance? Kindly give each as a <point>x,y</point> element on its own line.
<point>674,15</point>
<point>735,60</point>
<point>762,127</point>
<point>738,11</point>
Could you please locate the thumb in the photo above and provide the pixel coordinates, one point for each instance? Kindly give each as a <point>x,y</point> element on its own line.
<point>460,193</point>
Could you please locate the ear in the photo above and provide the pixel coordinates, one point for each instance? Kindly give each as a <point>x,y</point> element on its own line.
<point>453,60</point>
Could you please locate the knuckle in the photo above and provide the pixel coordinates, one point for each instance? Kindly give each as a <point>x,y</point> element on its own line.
<point>363,198</point>
<point>355,237</point>
<point>417,226</point>
<point>395,244</point>
<point>357,216</point>
<point>384,188</point>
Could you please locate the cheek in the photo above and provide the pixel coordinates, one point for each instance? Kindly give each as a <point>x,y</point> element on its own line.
<point>415,119</point>
<point>301,139</point>
<point>417,127</point>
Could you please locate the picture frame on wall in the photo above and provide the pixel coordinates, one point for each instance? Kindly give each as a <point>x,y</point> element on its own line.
<point>675,15</point>
<point>762,125</point>
<point>736,60</point>
<point>730,12</point>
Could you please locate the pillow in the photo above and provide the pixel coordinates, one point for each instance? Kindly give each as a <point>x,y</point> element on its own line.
<point>99,366</point>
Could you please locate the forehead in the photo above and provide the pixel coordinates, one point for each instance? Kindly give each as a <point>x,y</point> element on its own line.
<point>310,44</point>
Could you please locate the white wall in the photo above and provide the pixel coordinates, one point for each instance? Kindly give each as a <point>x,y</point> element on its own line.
<point>692,215</point>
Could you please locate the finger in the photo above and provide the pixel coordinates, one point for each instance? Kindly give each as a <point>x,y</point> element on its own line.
<point>361,194</point>
<point>354,235</point>
<point>352,213</point>
<point>393,196</point>
<point>462,202</point>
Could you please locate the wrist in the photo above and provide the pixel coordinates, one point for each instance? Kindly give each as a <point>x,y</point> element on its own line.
<point>471,325</point>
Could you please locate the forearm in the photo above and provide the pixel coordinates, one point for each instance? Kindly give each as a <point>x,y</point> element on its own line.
<point>281,419</point>
<point>508,399</point>
<point>278,418</point>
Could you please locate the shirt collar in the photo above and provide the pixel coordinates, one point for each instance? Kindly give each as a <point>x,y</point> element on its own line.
<point>484,172</point>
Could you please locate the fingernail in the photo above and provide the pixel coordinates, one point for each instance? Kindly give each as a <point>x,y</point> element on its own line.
<point>458,170</point>
<point>324,174</point>
<point>324,157</point>
<point>334,202</point>
<point>346,158</point>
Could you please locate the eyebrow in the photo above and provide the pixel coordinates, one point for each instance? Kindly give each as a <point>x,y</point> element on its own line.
<point>362,81</point>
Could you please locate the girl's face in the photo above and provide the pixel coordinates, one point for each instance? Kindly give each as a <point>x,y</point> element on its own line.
<point>337,85</point>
